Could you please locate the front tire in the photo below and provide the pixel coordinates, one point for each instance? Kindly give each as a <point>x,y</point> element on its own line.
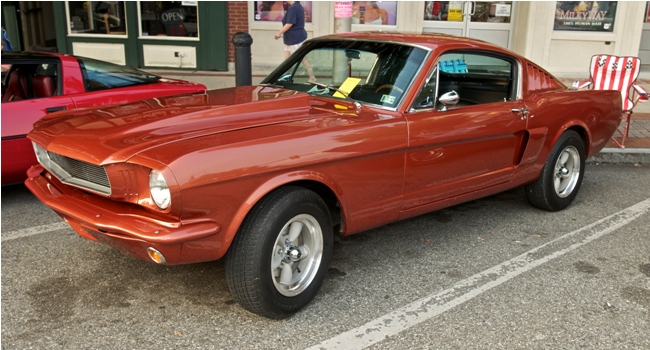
<point>280,255</point>
<point>561,177</point>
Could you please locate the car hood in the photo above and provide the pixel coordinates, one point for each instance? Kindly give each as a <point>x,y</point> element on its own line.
<point>116,133</point>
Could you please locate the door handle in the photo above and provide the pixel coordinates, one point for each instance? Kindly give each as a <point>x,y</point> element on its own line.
<point>465,11</point>
<point>523,111</point>
<point>55,109</point>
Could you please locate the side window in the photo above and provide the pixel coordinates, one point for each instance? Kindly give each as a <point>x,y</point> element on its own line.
<point>477,78</point>
<point>30,80</point>
<point>45,81</point>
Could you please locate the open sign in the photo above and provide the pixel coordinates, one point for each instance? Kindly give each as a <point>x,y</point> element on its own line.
<point>173,16</point>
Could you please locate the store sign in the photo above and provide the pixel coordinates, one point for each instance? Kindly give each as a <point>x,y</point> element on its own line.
<point>173,16</point>
<point>342,9</point>
<point>585,15</point>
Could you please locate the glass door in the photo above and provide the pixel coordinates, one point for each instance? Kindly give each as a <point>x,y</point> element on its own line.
<point>486,20</point>
<point>644,47</point>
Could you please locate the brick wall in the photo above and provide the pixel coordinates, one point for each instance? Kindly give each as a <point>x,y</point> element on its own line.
<point>237,22</point>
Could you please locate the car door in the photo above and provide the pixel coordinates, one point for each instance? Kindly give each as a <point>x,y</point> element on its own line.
<point>472,145</point>
<point>19,116</point>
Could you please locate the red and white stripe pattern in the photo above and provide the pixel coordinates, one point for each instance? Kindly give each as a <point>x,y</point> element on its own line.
<point>615,73</point>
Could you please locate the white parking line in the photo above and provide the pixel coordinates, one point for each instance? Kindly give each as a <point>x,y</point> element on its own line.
<point>36,230</point>
<point>431,306</point>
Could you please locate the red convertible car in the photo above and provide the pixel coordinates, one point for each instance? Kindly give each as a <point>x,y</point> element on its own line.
<point>392,126</point>
<point>35,84</point>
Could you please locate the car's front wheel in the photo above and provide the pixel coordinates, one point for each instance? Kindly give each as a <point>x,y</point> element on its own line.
<point>560,180</point>
<point>281,253</point>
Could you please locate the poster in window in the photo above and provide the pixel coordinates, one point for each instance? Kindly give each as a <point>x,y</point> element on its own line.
<point>374,12</point>
<point>273,11</point>
<point>594,16</point>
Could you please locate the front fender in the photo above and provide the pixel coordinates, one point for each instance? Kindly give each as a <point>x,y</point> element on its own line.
<point>300,178</point>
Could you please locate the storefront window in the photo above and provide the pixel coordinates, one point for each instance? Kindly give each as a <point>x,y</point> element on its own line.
<point>97,17</point>
<point>585,15</point>
<point>169,18</point>
<point>480,11</point>
<point>273,11</point>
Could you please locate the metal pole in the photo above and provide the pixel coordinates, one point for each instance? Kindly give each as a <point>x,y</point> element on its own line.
<point>342,24</point>
<point>243,58</point>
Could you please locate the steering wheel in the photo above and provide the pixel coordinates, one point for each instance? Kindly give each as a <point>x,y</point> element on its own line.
<point>389,86</point>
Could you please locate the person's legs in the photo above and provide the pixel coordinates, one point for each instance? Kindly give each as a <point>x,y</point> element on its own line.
<point>310,70</point>
<point>290,49</point>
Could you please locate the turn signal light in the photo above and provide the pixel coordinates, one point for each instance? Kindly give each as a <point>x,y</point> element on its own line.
<point>156,256</point>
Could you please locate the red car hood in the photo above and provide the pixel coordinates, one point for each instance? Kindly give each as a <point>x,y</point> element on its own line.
<point>116,133</point>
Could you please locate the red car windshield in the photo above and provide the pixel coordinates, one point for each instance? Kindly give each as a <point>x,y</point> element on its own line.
<point>99,75</point>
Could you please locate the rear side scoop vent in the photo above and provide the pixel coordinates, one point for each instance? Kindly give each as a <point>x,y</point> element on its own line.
<point>539,80</point>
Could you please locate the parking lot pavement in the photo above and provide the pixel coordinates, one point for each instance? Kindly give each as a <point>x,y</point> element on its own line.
<point>491,273</point>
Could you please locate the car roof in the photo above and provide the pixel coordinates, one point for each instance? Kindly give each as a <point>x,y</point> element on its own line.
<point>428,40</point>
<point>32,55</point>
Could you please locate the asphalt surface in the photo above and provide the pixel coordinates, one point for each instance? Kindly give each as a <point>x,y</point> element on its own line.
<point>491,273</point>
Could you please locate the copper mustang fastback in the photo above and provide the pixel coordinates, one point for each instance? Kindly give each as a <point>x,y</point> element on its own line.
<point>353,131</point>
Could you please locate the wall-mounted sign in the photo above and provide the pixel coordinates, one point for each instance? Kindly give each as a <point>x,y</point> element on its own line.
<point>596,16</point>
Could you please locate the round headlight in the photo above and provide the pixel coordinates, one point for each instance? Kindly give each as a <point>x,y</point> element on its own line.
<point>159,189</point>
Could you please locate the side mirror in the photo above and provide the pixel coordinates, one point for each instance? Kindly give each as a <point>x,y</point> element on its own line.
<point>449,99</point>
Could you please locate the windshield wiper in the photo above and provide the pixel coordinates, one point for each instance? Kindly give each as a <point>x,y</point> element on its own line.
<point>272,85</point>
<point>344,93</point>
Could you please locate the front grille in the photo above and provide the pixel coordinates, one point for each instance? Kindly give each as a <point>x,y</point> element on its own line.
<point>81,170</point>
<point>74,172</point>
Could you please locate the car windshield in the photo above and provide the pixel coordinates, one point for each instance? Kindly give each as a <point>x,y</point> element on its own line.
<point>377,73</point>
<point>99,75</point>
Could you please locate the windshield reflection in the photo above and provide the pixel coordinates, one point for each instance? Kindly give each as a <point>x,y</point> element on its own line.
<point>99,75</point>
<point>377,73</point>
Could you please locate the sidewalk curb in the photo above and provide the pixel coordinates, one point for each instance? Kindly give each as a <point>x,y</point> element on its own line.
<point>621,156</point>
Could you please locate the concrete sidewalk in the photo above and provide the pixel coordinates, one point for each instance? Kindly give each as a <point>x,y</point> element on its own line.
<point>637,146</point>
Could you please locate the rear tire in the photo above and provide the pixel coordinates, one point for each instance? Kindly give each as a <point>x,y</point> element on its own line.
<point>561,177</point>
<point>280,255</point>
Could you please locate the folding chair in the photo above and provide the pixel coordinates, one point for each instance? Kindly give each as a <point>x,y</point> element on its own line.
<point>609,72</point>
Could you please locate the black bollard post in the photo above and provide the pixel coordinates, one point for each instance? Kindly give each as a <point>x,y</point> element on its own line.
<point>243,58</point>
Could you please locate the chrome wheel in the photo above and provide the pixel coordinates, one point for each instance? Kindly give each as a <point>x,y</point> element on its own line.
<point>279,257</point>
<point>560,179</point>
<point>297,255</point>
<point>567,172</point>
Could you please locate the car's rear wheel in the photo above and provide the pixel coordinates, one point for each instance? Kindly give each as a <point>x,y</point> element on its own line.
<point>281,253</point>
<point>560,180</point>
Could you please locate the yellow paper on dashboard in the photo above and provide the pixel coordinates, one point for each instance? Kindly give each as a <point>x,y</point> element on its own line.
<point>348,85</point>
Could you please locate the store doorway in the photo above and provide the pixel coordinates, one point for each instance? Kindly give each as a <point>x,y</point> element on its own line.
<point>485,20</point>
<point>644,47</point>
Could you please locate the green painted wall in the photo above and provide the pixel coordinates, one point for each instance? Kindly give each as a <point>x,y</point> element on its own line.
<point>211,49</point>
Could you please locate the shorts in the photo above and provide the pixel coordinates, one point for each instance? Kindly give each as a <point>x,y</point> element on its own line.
<point>292,48</point>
